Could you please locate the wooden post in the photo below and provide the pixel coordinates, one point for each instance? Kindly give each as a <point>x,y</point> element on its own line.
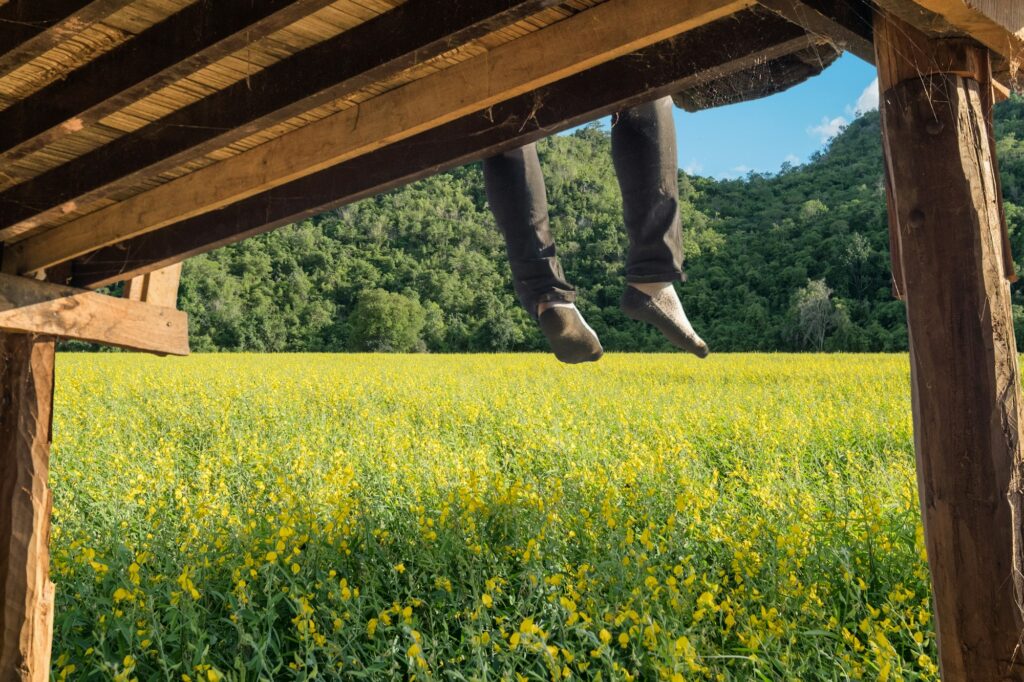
<point>159,287</point>
<point>26,394</point>
<point>947,227</point>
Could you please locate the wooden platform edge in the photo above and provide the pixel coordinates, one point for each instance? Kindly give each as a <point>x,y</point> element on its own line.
<point>606,32</point>
<point>703,55</point>
<point>31,307</point>
<point>997,24</point>
<point>846,24</point>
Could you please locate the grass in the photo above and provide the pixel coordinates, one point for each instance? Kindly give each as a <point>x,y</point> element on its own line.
<point>750,517</point>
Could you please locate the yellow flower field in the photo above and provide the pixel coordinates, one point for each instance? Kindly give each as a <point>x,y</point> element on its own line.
<point>294,517</point>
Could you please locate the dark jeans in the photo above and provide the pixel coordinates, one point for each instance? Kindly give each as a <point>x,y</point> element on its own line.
<point>644,154</point>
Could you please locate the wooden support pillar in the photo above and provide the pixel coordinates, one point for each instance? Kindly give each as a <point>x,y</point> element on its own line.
<point>159,287</point>
<point>948,234</point>
<point>26,395</point>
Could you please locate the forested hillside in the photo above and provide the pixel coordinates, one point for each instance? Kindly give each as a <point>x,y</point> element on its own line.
<point>793,261</point>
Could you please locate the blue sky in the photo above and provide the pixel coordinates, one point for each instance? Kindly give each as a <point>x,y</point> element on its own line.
<point>730,141</point>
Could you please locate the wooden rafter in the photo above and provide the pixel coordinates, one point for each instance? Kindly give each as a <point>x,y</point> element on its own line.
<point>997,24</point>
<point>31,307</point>
<point>605,32</point>
<point>185,42</point>
<point>30,27</point>
<point>369,53</point>
<point>846,24</point>
<point>701,55</point>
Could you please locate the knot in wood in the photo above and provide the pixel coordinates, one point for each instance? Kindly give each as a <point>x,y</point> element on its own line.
<point>915,220</point>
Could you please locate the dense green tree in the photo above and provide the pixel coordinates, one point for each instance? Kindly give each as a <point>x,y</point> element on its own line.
<point>383,321</point>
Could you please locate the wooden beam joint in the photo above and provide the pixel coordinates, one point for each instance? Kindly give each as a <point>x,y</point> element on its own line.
<point>31,307</point>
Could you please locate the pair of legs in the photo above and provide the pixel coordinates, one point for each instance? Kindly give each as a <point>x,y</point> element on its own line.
<point>644,155</point>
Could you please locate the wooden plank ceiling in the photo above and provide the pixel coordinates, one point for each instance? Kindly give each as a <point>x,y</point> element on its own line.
<point>135,133</point>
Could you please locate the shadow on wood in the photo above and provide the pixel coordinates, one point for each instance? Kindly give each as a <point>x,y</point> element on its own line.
<point>946,220</point>
<point>26,397</point>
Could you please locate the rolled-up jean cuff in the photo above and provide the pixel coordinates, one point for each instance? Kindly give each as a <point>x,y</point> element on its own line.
<point>673,276</point>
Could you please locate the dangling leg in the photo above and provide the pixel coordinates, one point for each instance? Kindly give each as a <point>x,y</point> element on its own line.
<point>644,152</point>
<point>518,199</point>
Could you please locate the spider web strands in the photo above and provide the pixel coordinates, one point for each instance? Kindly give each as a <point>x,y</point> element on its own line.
<point>366,54</point>
<point>697,57</point>
<point>608,31</point>
<point>29,28</point>
<point>183,43</point>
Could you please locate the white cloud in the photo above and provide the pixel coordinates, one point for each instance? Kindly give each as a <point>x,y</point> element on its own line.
<point>737,172</point>
<point>792,159</point>
<point>868,100</point>
<point>694,167</point>
<point>827,129</point>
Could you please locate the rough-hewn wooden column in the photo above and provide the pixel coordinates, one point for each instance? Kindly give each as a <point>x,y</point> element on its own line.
<point>26,398</point>
<point>947,227</point>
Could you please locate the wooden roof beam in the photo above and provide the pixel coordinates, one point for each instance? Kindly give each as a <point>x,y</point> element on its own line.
<point>31,307</point>
<point>198,35</point>
<point>699,56</point>
<point>997,24</point>
<point>28,28</point>
<point>844,23</point>
<point>605,32</point>
<point>371,52</point>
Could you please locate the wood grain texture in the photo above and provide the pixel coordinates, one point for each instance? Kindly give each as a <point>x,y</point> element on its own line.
<point>997,24</point>
<point>846,24</point>
<point>159,287</point>
<point>31,307</point>
<point>964,374</point>
<point>1009,13</point>
<point>183,43</point>
<point>29,28</point>
<point>603,33</point>
<point>372,52</point>
<point>686,61</point>
<point>26,398</point>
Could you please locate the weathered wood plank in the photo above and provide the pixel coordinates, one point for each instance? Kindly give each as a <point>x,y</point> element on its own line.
<point>704,54</point>
<point>964,374</point>
<point>982,18</point>
<point>159,287</point>
<point>369,53</point>
<point>185,42</point>
<point>846,24</point>
<point>26,397</point>
<point>997,24</point>
<point>605,32</point>
<point>29,28</point>
<point>32,307</point>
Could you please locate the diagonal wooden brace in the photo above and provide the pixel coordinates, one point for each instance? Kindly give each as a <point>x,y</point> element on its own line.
<point>31,307</point>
